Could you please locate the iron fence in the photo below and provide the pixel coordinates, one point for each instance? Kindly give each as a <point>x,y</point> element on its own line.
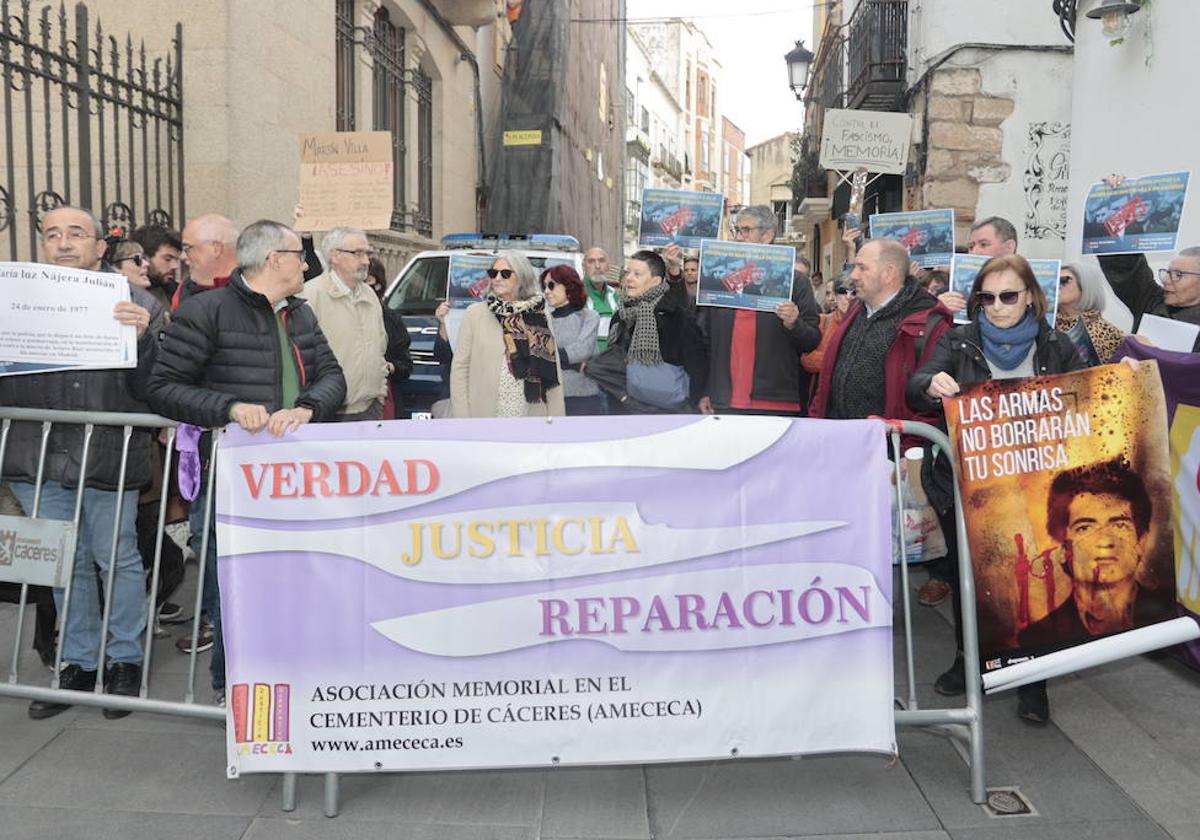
<point>89,120</point>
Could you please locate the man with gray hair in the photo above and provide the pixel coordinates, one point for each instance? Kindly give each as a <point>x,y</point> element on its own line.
<point>73,238</point>
<point>754,357</point>
<point>1178,296</point>
<point>351,318</point>
<point>250,353</point>
<point>209,253</point>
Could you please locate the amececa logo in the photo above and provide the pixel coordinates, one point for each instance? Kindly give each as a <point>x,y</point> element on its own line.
<point>262,718</point>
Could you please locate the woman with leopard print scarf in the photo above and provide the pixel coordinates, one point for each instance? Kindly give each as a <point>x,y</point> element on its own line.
<point>505,357</point>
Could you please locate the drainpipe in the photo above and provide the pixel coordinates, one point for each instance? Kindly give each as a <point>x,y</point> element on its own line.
<point>466,54</point>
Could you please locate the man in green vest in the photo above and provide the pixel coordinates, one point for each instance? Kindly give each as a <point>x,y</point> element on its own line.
<point>601,296</point>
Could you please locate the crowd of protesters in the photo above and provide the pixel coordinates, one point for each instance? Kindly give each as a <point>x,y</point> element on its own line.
<point>251,326</point>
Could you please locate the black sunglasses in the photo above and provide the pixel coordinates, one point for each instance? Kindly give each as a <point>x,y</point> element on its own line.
<point>1064,279</point>
<point>1007,298</point>
<point>843,290</point>
<point>138,259</point>
<point>503,272</point>
<point>550,285</point>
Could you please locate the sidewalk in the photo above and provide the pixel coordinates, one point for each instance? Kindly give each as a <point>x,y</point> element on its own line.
<point>1121,761</point>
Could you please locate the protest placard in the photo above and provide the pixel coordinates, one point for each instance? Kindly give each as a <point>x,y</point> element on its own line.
<point>1139,215</point>
<point>964,267</point>
<point>467,280</point>
<point>872,140</point>
<point>1067,500</point>
<point>927,235</point>
<point>745,275</point>
<point>580,593</point>
<point>681,217</point>
<point>58,318</point>
<point>346,179</point>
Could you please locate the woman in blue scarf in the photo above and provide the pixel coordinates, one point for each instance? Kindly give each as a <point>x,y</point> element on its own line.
<point>1008,339</point>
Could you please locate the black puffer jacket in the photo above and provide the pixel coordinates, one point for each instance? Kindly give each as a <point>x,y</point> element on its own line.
<point>85,390</point>
<point>222,347</point>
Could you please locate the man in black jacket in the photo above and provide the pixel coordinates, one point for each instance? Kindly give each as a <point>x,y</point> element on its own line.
<point>249,353</point>
<point>1177,298</point>
<point>73,238</point>
<point>754,357</point>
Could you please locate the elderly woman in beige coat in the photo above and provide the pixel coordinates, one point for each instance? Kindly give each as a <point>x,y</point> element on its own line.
<point>505,358</point>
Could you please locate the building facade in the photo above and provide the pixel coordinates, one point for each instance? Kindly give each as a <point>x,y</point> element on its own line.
<point>989,88</point>
<point>770,183</point>
<point>682,81</point>
<point>252,77</point>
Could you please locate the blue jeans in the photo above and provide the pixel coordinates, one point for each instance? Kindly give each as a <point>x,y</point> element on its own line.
<point>210,595</point>
<point>93,547</point>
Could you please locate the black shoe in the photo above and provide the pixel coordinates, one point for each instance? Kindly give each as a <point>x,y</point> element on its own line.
<point>72,678</point>
<point>1032,703</point>
<point>124,678</point>
<point>171,613</point>
<point>954,681</point>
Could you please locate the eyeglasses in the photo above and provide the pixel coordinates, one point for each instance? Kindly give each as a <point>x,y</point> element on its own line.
<point>190,246</point>
<point>74,234</point>
<point>299,252</point>
<point>1064,279</point>
<point>1007,298</point>
<point>359,254</point>
<point>502,272</point>
<point>843,290</point>
<point>137,259</point>
<point>550,285</point>
<point>745,229</point>
<point>1175,275</point>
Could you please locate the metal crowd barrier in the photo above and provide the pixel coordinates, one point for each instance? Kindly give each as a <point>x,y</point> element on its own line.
<point>963,725</point>
<point>89,421</point>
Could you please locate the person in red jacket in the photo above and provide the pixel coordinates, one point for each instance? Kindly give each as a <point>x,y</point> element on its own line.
<point>888,332</point>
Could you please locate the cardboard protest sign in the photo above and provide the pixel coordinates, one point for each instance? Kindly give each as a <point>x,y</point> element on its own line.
<point>679,216</point>
<point>1067,498</point>
<point>346,179</point>
<point>964,267</point>
<point>927,235</point>
<point>1140,215</point>
<point>872,140</point>
<point>744,275</point>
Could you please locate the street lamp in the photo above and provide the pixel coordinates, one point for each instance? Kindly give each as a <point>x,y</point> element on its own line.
<point>1114,17</point>
<point>798,61</point>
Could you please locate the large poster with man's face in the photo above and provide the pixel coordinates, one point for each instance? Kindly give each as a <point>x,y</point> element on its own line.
<point>1067,497</point>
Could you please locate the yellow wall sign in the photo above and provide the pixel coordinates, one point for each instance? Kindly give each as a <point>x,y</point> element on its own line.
<point>523,138</point>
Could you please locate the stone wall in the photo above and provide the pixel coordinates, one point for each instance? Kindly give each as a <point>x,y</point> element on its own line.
<point>965,147</point>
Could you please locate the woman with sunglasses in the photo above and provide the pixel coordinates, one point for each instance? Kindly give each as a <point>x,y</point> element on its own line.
<point>575,331</point>
<point>505,356</point>
<point>843,296</point>
<point>1080,302</point>
<point>130,260</point>
<point>1009,339</point>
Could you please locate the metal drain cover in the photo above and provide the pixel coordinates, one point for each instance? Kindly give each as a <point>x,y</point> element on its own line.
<point>1007,802</point>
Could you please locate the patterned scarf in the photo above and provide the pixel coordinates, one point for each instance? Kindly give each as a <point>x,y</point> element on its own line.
<point>528,344</point>
<point>637,314</point>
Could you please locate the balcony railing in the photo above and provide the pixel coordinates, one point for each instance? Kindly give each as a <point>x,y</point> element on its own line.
<point>878,38</point>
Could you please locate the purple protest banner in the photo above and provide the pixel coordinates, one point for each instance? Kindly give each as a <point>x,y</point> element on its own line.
<point>1180,374</point>
<point>506,593</point>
